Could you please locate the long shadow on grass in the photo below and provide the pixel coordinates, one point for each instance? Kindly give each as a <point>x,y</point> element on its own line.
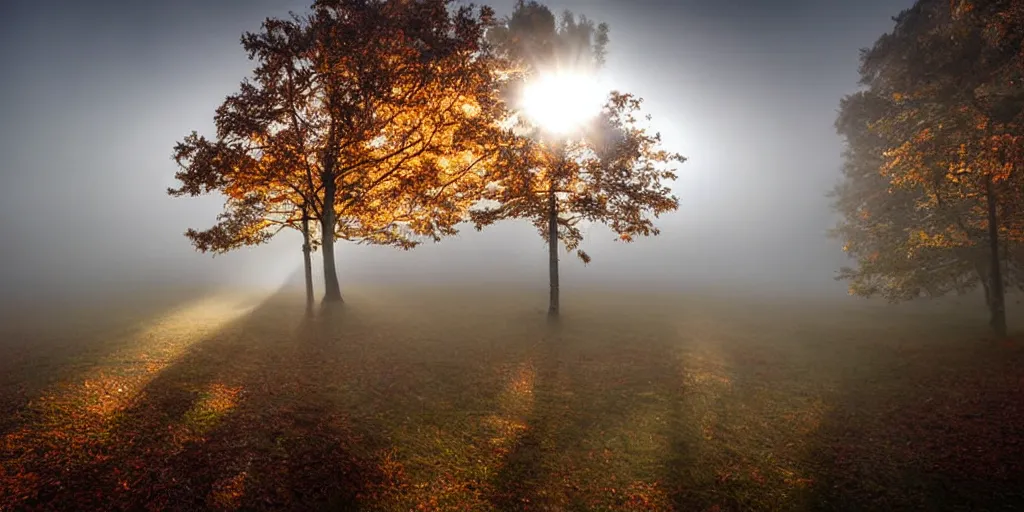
<point>839,408</point>
<point>244,419</point>
<point>932,420</point>
<point>710,417</point>
<point>59,342</point>
<point>596,437</point>
<point>443,376</point>
<point>748,401</point>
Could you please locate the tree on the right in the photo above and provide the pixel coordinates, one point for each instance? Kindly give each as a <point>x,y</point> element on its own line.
<point>561,172</point>
<point>932,199</point>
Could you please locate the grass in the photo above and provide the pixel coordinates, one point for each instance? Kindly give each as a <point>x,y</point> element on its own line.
<point>458,399</point>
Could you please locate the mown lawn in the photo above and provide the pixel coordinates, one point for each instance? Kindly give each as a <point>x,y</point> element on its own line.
<point>458,399</point>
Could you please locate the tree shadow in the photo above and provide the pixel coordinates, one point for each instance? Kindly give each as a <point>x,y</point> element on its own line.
<point>932,420</point>
<point>750,398</point>
<point>404,400</point>
<point>44,347</point>
<point>439,374</point>
<point>243,419</point>
<point>597,435</point>
<point>808,407</point>
<point>384,404</point>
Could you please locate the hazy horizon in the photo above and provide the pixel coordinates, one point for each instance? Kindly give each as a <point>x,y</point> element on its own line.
<point>719,366</point>
<point>97,95</point>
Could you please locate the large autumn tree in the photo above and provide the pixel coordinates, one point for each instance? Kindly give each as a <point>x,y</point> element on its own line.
<point>931,199</point>
<point>611,170</point>
<point>379,116</point>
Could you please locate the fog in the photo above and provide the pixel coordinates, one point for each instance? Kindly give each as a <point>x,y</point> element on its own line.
<point>95,94</point>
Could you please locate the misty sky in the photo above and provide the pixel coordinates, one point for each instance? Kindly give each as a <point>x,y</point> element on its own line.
<point>95,94</point>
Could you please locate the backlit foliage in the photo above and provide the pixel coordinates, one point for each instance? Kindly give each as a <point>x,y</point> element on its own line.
<point>410,104</point>
<point>613,172</point>
<point>935,134</point>
<point>375,117</point>
<point>263,156</point>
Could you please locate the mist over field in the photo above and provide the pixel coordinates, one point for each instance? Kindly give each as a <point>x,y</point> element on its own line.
<point>96,95</point>
<point>718,366</point>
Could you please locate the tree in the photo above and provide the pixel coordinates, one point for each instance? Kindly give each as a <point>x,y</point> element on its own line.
<point>931,200</point>
<point>883,225</point>
<point>265,194</point>
<point>408,100</point>
<point>260,158</point>
<point>613,172</point>
<point>379,117</point>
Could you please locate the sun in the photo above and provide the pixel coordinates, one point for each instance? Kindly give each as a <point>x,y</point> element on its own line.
<point>562,102</point>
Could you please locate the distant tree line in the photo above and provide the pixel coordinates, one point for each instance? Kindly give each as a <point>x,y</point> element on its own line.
<point>394,122</point>
<point>932,199</point>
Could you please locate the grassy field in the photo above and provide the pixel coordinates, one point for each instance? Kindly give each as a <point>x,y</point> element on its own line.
<point>449,399</point>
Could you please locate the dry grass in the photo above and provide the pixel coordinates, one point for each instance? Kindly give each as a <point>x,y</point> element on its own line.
<point>432,399</point>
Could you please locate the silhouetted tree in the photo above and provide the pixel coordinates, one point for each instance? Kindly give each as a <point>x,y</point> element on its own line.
<point>931,200</point>
<point>380,115</point>
<point>613,171</point>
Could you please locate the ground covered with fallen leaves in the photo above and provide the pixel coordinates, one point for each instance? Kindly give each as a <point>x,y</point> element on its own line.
<point>453,399</point>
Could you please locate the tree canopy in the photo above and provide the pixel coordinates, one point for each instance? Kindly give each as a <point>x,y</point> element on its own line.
<point>931,198</point>
<point>391,122</point>
<point>614,174</point>
<point>612,171</point>
<point>374,117</point>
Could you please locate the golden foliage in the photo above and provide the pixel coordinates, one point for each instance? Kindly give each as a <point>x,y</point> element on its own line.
<point>941,133</point>
<point>381,113</point>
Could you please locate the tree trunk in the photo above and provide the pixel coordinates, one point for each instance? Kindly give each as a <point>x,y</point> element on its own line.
<point>988,290</point>
<point>997,300</point>
<point>332,290</point>
<point>307,260</point>
<point>981,267</point>
<point>553,251</point>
